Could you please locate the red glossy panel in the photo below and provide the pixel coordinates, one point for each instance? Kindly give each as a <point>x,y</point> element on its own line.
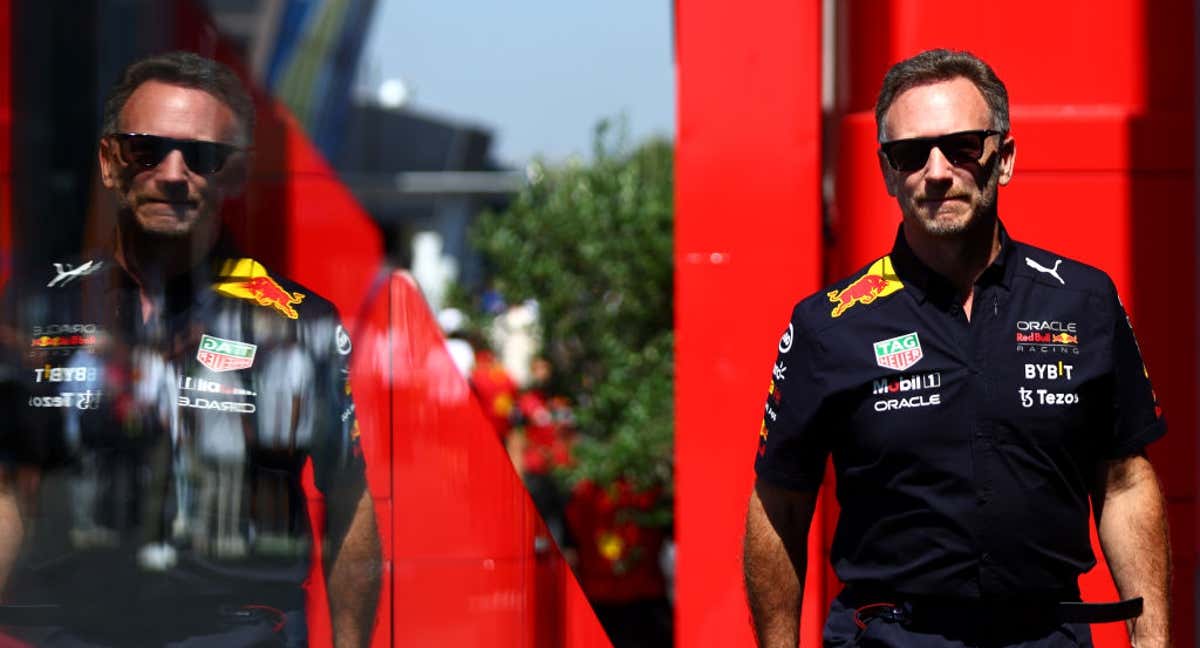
<point>5,101</point>
<point>5,138</point>
<point>1182,513</point>
<point>465,565</point>
<point>747,247</point>
<point>332,245</point>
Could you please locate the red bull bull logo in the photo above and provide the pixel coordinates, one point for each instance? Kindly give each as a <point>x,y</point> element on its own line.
<point>1047,338</point>
<point>879,281</point>
<point>249,280</point>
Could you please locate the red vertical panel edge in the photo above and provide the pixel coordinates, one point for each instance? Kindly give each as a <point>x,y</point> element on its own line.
<point>5,137</point>
<point>747,247</point>
<point>467,571</point>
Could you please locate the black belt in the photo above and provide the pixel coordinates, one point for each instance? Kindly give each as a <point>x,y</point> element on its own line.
<point>30,615</point>
<point>54,615</point>
<point>923,610</point>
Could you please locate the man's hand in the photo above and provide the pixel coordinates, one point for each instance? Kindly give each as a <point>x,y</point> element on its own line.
<point>775,559</point>
<point>1132,523</point>
<point>353,579</point>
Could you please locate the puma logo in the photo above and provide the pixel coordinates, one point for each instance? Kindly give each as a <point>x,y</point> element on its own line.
<point>66,273</point>
<point>1043,269</point>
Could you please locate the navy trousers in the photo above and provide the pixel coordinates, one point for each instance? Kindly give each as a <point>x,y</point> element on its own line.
<point>953,631</point>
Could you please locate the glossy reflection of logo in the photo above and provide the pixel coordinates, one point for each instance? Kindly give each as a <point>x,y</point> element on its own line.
<point>219,354</point>
<point>63,341</point>
<point>247,279</point>
<point>879,281</point>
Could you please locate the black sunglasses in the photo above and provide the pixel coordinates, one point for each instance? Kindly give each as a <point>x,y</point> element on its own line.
<point>909,155</point>
<point>147,151</point>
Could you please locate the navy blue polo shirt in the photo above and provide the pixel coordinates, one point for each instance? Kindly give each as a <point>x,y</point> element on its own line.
<point>965,451</point>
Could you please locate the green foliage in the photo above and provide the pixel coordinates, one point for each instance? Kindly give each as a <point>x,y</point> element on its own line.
<point>592,243</point>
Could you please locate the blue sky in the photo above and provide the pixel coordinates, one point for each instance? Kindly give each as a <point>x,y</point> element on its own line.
<point>538,73</point>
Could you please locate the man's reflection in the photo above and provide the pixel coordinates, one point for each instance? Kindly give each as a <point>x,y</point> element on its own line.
<point>165,397</point>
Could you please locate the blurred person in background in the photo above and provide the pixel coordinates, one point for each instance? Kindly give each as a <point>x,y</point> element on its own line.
<point>165,396</point>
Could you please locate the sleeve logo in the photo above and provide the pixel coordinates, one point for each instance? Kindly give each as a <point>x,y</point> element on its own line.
<point>879,281</point>
<point>785,342</point>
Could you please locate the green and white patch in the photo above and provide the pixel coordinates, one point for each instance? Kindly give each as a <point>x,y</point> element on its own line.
<point>219,354</point>
<point>900,352</point>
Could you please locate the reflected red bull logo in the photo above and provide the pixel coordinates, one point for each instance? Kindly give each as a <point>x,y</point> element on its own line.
<point>879,281</point>
<point>259,287</point>
<point>63,341</point>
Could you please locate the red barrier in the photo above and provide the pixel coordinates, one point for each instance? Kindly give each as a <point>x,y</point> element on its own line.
<point>747,246</point>
<point>5,139</point>
<point>472,562</point>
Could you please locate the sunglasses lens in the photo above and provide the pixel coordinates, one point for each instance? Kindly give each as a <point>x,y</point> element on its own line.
<point>961,148</point>
<point>908,155</point>
<point>204,157</point>
<point>912,154</point>
<point>148,151</point>
<point>143,151</point>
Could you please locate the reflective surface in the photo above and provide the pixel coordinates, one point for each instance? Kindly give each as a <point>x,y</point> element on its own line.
<point>160,451</point>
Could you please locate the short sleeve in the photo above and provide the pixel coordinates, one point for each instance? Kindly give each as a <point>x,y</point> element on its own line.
<point>793,443</point>
<point>338,463</point>
<point>1137,419</point>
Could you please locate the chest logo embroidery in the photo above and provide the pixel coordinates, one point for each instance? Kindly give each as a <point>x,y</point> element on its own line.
<point>219,354</point>
<point>1053,272</point>
<point>64,272</point>
<point>879,281</point>
<point>900,352</point>
<point>1047,336</point>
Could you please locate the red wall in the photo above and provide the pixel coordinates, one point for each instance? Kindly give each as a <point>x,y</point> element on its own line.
<point>5,139</point>
<point>747,245</point>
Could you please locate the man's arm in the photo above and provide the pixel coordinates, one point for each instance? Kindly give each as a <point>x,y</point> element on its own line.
<point>11,527</point>
<point>353,577</point>
<point>776,548</point>
<point>1132,524</point>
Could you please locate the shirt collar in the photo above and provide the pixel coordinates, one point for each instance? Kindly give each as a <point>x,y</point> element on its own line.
<point>928,284</point>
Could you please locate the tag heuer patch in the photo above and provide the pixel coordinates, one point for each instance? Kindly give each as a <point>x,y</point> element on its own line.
<point>898,353</point>
<point>219,354</point>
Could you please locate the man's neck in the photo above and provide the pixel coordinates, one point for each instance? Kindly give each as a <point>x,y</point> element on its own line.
<point>960,259</point>
<point>154,263</point>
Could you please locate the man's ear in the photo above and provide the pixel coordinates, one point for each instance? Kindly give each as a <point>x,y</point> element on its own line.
<point>889,178</point>
<point>236,173</point>
<point>1008,159</point>
<point>110,166</point>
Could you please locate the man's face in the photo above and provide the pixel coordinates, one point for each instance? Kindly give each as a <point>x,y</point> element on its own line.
<point>942,198</point>
<point>171,199</point>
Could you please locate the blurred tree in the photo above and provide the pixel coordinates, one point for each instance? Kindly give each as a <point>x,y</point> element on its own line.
<point>592,243</point>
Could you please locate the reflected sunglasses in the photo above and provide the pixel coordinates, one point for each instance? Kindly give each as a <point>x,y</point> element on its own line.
<point>909,155</point>
<point>147,151</point>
